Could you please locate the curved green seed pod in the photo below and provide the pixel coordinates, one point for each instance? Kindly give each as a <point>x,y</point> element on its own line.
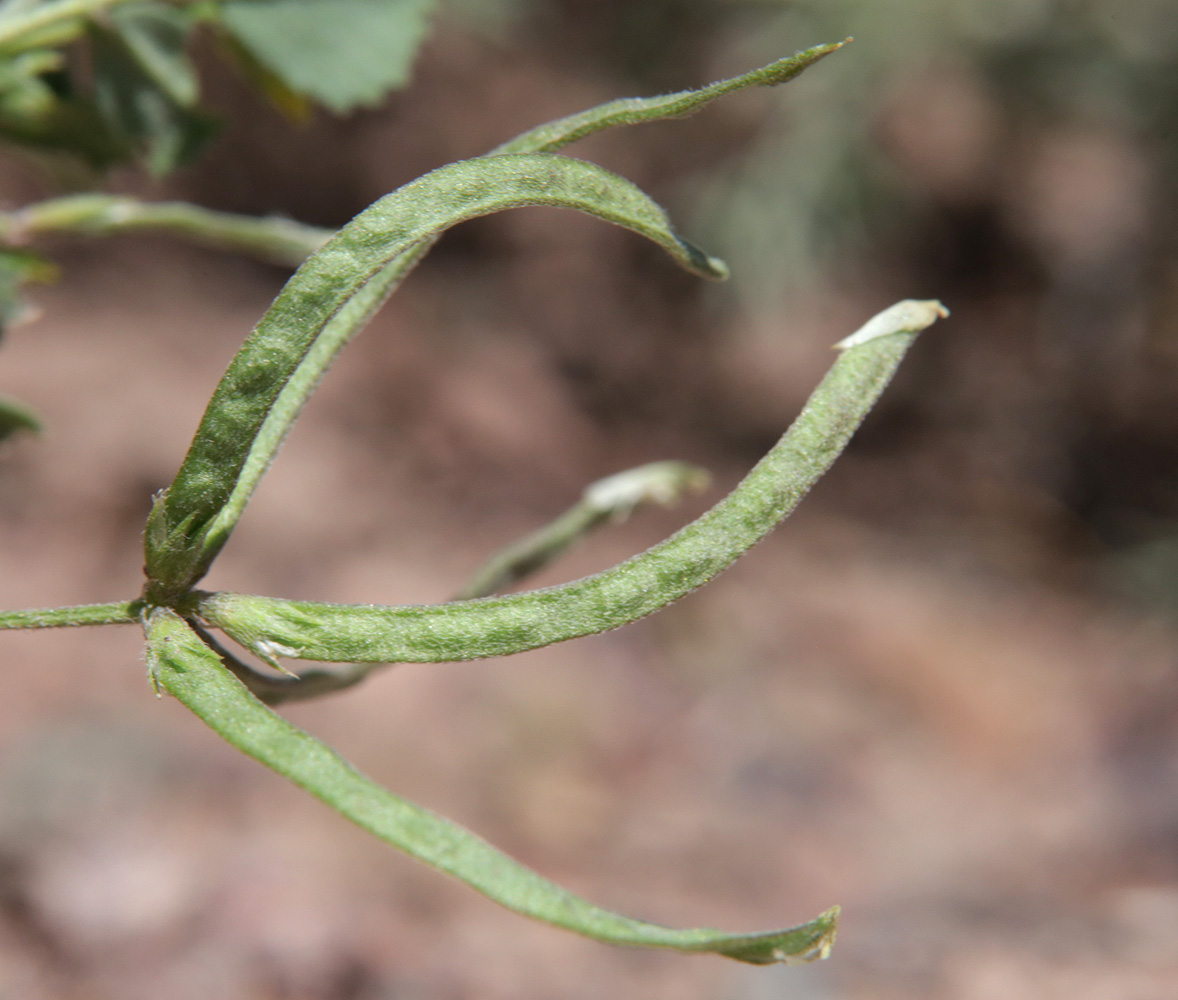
<point>496,626</point>
<point>189,670</point>
<point>636,110</point>
<point>288,352</point>
<point>258,399</point>
<point>608,500</point>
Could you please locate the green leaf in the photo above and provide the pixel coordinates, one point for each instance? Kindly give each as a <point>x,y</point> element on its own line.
<point>52,23</point>
<point>15,417</point>
<point>17,269</point>
<point>135,106</point>
<point>70,127</point>
<point>342,53</point>
<point>193,673</point>
<point>9,8</point>
<point>296,107</point>
<point>44,24</point>
<point>155,35</point>
<point>21,76</point>
<point>37,114</point>
<point>329,297</point>
<point>631,590</point>
<point>145,88</point>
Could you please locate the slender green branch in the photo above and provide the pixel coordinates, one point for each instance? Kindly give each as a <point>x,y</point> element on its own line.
<point>195,675</point>
<point>118,613</point>
<point>272,238</point>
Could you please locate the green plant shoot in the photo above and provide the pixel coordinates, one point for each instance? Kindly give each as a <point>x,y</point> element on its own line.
<point>338,287</point>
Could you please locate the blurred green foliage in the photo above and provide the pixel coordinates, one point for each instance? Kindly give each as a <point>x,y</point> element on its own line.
<point>113,82</point>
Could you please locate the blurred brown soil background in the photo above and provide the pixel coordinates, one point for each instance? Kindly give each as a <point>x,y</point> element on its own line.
<point>944,695</point>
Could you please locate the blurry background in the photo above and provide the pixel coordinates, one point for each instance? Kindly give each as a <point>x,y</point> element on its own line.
<point>944,695</point>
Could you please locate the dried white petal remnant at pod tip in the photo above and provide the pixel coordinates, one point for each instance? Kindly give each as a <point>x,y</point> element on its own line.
<point>911,316</point>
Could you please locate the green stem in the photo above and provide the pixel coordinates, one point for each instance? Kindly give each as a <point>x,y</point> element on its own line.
<point>117,613</point>
<point>273,238</point>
